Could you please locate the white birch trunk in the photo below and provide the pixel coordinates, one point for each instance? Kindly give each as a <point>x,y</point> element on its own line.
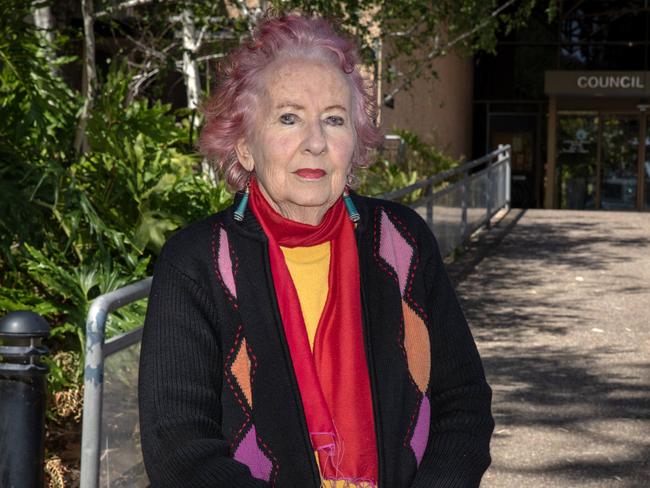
<point>191,44</point>
<point>190,66</point>
<point>44,21</point>
<point>89,79</point>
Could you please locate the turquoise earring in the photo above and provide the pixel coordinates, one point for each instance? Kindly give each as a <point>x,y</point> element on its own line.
<point>350,207</point>
<point>243,203</point>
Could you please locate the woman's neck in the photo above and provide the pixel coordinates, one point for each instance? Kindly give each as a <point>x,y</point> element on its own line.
<point>298,213</point>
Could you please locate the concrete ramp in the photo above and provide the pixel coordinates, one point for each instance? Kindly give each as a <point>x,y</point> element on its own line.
<point>559,303</point>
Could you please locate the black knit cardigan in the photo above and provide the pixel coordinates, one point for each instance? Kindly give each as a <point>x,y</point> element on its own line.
<point>219,401</point>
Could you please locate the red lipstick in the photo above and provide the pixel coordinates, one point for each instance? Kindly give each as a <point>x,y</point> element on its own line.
<point>310,173</point>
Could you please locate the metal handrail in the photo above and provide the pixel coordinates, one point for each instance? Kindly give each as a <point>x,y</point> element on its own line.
<point>445,175</point>
<point>96,352</point>
<point>122,341</point>
<point>493,161</point>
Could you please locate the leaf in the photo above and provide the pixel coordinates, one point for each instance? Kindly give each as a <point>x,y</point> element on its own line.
<point>153,229</point>
<point>55,279</point>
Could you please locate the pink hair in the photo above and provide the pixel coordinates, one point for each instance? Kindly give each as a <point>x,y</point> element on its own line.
<point>229,114</point>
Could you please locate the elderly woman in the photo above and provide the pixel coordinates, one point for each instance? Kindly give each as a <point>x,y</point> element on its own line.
<point>306,336</point>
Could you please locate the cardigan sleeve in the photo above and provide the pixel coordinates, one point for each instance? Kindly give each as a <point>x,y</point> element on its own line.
<point>457,452</point>
<point>180,388</point>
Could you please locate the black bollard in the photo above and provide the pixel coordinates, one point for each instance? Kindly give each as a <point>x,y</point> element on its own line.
<point>22,399</point>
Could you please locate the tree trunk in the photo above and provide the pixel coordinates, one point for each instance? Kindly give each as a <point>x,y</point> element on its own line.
<point>191,44</point>
<point>44,21</point>
<point>89,79</point>
<point>190,67</point>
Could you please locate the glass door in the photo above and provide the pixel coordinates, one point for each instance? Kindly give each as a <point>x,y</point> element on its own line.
<point>620,160</point>
<point>520,132</point>
<point>577,159</point>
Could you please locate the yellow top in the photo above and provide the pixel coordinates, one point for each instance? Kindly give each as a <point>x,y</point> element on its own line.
<point>309,268</point>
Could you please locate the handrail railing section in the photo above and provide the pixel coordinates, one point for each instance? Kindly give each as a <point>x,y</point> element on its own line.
<point>464,198</point>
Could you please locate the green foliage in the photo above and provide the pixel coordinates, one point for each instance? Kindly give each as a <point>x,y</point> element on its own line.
<point>36,124</point>
<point>412,33</point>
<point>384,177</point>
<point>74,227</point>
<point>426,159</point>
<point>422,161</point>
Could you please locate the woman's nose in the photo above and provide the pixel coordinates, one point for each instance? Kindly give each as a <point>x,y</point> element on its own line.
<point>315,140</point>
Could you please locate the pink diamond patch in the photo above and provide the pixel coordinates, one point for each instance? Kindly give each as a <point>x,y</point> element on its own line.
<point>250,454</point>
<point>395,250</point>
<point>225,263</point>
<point>421,431</point>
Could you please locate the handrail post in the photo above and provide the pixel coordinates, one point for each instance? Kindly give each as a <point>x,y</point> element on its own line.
<point>488,194</point>
<point>93,388</point>
<point>23,391</point>
<point>94,374</point>
<point>506,155</point>
<point>463,221</point>
<point>428,193</point>
<point>401,152</point>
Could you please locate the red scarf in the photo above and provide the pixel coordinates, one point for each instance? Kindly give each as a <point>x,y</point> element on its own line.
<point>333,381</point>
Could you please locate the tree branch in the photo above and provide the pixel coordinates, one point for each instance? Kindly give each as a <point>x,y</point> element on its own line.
<point>90,76</point>
<point>244,8</point>
<point>149,51</point>
<point>208,57</point>
<point>199,40</point>
<point>438,50</point>
<point>251,17</point>
<point>121,6</point>
<point>139,82</point>
<point>407,32</point>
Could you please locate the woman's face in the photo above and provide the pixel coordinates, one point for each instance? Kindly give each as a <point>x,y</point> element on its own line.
<point>303,138</point>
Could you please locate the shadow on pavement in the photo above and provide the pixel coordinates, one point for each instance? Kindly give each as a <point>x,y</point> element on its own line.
<point>557,305</point>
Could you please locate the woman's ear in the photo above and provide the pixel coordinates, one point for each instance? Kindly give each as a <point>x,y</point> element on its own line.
<point>244,155</point>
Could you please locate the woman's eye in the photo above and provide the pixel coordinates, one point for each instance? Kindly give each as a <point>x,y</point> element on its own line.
<point>335,120</point>
<point>288,119</point>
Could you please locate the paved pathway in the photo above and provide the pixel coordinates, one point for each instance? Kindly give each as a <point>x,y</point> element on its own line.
<point>559,303</point>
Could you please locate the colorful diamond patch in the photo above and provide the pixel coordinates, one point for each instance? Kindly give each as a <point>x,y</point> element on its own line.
<point>250,454</point>
<point>225,263</point>
<point>394,249</point>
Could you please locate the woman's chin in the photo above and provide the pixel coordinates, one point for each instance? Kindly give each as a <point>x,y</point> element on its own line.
<point>308,210</point>
<point>319,202</point>
<point>314,197</point>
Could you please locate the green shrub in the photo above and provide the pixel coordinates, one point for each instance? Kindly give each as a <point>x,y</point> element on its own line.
<point>74,227</point>
<point>422,161</point>
<point>425,159</point>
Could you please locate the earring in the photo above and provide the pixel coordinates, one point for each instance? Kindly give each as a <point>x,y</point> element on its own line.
<point>350,207</point>
<point>352,180</point>
<point>243,203</point>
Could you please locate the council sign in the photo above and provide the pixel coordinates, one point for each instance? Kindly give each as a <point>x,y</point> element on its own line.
<point>598,83</point>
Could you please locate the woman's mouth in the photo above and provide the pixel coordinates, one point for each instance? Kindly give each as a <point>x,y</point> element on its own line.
<point>310,173</point>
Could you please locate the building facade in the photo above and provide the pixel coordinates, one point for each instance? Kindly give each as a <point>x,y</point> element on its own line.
<point>572,98</point>
<point>438,110</point>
